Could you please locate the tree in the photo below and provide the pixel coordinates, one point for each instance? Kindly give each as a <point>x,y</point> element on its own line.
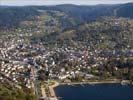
<point>131,74</point>
<point>43,75</point>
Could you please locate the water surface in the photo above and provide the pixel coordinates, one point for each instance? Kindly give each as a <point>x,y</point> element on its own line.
<point>95,92</point>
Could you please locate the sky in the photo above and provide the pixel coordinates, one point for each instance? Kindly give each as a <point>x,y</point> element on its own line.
<point>57,2</point>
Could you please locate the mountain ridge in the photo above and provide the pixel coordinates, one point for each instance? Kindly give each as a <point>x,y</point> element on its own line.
<point>11,16</point>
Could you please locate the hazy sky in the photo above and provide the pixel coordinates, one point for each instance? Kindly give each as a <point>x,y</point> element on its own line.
<point>55,2</point>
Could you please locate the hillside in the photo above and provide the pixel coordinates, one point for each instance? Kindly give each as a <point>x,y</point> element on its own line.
<point>64,43</point>
<point>12,16</point>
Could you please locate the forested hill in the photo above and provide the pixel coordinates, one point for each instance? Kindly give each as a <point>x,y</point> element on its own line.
<point>12,16</point>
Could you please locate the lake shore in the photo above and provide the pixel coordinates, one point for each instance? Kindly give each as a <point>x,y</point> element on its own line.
<point>52,92</point>
<point>92,82</point>
<point>100,90</point>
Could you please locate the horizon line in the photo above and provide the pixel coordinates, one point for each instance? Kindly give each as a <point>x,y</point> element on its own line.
<point>38,3</point>
<point>64,4</point>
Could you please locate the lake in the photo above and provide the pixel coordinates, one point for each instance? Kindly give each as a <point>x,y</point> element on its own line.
<point>94,92</point>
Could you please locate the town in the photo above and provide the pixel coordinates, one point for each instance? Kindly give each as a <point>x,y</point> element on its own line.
<point>97,51</point>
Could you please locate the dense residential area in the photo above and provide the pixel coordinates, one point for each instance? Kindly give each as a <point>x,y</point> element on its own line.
<point>56,46</point>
